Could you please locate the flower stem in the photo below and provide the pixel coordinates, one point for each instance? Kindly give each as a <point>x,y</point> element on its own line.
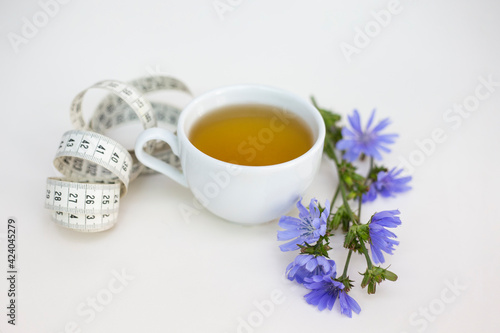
<point>346,203</point>
<point>313,100</point>
<point>346,265</point>
<point>365,252</point>
<point>342,188</point>
<point>351,214</point>
<point>360,201</point>
<point>334,198</point>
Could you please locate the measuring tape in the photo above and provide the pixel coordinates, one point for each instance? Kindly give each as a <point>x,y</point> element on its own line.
<point>97,170</point>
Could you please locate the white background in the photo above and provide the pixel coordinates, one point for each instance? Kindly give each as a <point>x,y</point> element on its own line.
<point>206,275</point>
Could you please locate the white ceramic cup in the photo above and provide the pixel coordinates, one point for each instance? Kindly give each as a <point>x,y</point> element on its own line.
<point>239,193</point>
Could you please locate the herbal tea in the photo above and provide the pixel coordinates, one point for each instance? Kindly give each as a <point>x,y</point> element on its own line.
<point>251,134</point>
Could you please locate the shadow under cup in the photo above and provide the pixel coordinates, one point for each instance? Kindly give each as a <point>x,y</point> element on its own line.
<point>241,193</point>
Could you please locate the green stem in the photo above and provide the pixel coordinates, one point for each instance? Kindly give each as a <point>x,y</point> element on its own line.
<point>313,100</point>
<point>351,214</point>
<point>366,181</point>
<point>365,252</point>
<point>334,198</point>
<point>346,204</point>
<point>342,187</point>
<point>362,244</point>
<point>360,200</point>
<point>347,261</point>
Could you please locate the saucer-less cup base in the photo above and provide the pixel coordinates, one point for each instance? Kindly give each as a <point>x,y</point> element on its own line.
<point>242,194</point>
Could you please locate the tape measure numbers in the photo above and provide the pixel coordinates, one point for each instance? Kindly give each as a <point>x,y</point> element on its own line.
<point>83,207</point>
<point>97,169</point>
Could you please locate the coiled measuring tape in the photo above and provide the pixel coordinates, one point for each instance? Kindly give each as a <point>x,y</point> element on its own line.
<point>97,170</point>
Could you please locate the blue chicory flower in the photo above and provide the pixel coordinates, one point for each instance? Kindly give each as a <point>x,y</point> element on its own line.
<point>387,184</point>
<point>348,304</point>
<point>356,141</point>
<point>381,239</point>
<point>325,291</point>
<point>309,227</point>
<point>307,265</point>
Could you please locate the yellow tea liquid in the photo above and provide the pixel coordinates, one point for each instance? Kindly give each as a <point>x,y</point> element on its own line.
<point>251,134</point>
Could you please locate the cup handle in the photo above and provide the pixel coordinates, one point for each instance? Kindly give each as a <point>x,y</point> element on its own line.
<point>154,163</point>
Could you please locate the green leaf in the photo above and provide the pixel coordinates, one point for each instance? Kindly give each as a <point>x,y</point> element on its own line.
<point>351,239</point>
<point>330,118</point>
<point>375,170</point>
<point>346,282</point>
<point>333,131</point>
<point>375,276</point>
<point>328,148</point>
<point>363,232</point>
<point>321,247</point>
<point>337,218</point>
